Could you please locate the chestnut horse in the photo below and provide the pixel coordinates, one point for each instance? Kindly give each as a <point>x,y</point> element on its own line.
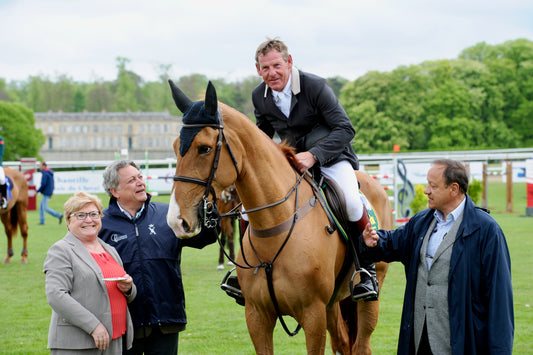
<point>219,146</point>
<point>16,213</point>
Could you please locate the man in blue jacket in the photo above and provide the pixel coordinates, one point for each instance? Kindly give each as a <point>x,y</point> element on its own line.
<point>458,297</point>
<point>47,190</point>
<point>137,228</point>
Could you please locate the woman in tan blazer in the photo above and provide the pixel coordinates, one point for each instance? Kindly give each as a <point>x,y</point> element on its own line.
<point>86,286</point>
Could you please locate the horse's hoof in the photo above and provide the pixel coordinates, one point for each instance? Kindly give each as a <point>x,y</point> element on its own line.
<point>220,267</point>
<point>230,263</point>
<point>24,262</point>
<point>7,261</point>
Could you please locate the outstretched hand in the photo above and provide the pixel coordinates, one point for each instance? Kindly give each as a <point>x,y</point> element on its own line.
<point>370,236</point>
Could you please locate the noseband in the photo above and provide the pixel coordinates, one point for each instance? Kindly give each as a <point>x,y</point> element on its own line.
<point>207,209</point>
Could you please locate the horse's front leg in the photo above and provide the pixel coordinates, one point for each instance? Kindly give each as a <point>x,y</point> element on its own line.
<point>261,328</point>
<point>7,228</point>
<point>314,323</point>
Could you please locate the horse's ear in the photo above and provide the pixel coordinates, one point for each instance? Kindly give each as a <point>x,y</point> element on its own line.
<point>211,104</point>
<point>181,100</point>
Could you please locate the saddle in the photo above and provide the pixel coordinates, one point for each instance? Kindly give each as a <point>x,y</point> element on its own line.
<point>331,197</point>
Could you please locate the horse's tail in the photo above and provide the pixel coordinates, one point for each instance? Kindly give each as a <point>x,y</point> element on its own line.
<point>349,315</point>
<point>14,219</point>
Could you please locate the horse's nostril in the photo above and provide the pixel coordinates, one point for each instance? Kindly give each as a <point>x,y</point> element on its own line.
<point>185,225</point>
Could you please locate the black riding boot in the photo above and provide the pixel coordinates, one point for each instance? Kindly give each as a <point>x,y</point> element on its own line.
<point>367,289</point>
<point>3,196</point>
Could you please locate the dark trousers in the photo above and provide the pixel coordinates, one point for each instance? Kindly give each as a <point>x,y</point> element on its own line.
<point>424,348</point>
<point>156,343</point>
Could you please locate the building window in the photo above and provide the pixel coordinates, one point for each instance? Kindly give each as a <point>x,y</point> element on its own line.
<point>50,143</point>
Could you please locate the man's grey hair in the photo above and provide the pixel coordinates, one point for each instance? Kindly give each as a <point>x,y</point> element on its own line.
<point>111,177</point>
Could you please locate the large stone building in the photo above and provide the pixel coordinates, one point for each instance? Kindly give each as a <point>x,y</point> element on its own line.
<point>89,136</point>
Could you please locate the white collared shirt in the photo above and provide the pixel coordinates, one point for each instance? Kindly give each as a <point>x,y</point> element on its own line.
<point>283,98</point>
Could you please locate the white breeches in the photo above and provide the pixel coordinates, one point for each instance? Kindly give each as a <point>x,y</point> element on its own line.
<point>2,176</point>
<point>344,175</point>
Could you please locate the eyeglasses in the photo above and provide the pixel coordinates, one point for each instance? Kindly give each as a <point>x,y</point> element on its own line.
<point>83,215</point>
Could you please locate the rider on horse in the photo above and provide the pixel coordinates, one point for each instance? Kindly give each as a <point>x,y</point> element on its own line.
<point>3,185</point>
<point>303,110</point>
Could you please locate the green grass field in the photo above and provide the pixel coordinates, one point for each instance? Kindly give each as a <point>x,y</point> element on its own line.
<point>216,324</point>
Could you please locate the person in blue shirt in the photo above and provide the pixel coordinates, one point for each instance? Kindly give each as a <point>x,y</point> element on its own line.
<point>137,228</point>
<point>47,190</point>
<point>3,185</point>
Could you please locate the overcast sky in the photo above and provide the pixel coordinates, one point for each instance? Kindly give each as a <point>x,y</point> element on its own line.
<point>218,38</point>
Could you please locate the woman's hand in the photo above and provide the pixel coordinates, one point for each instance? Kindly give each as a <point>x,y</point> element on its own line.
<point>100,336</point>
<point>125,285</point>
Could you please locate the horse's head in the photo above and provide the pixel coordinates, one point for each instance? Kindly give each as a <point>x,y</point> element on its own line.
<point>205,163</point>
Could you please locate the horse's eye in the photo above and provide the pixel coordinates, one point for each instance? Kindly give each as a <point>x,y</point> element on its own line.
<point>204,149</point>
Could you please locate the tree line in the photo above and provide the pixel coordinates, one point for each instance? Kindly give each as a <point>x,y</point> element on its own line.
<point>482,99</point>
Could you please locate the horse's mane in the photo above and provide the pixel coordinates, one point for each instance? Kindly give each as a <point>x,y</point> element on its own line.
<point>288,151</point>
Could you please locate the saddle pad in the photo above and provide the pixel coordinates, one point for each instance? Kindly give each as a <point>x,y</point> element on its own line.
<point>337,204</point>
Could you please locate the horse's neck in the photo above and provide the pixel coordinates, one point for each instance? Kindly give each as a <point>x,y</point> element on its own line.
<point>268,179</point>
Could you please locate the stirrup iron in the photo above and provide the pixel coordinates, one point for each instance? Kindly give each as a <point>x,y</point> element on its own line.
<point>230,284</point>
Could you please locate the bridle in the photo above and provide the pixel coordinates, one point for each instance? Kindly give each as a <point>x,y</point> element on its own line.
<point>207,209</point>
